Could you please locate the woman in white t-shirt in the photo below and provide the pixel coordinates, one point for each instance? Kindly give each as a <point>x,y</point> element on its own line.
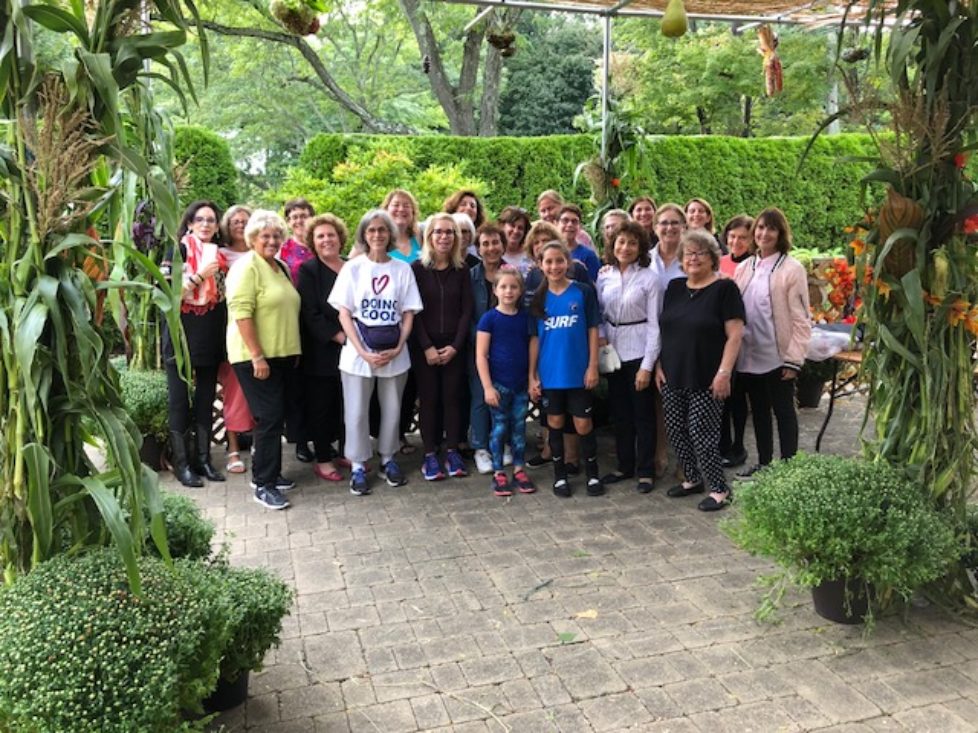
<point>376,297</point>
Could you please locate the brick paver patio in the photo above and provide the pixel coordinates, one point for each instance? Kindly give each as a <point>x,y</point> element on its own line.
<point>441,607</point>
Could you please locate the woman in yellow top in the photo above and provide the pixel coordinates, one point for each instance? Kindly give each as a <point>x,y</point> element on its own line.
<point>263,343</point>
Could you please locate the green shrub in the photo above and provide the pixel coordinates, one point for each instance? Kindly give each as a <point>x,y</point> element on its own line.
<point>144,395</point>
<point>80,653</point>
<point>734,174</point>
<point>209,168</point>
<point>188,533</point>
<point>827,517</point>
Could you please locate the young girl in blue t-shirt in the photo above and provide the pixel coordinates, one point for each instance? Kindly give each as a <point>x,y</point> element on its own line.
<point>564,362</point>
<point>502,359</point>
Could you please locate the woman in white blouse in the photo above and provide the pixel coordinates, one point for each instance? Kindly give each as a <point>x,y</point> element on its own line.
<point>630,294</point>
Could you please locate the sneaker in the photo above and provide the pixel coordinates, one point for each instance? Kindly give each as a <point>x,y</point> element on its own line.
<point>507,456</point>
<point>483,461</point>
<point>748,473</point>
<point>271,498</point>
<point>523,483</point>
<point>431,469</point>
<point>500,486</point>
<point>281,484</point>
<point>454,465</point>
<point>562,488</point>
<point>538,462</point>
<point>392,474</point>
<point>358,483</point>
<point>595,487</point>
<point>304,453</point>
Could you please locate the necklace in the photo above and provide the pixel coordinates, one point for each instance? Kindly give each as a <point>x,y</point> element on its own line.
<point>693,292</point>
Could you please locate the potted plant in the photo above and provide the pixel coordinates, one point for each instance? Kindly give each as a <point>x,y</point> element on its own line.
<point>858,529</point>
<point>144,395</point>
<point>259,601</point>
<point>811,382</point>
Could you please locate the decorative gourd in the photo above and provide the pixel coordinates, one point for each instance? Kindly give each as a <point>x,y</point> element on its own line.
<point>898,212</point>
<point>674,21</point>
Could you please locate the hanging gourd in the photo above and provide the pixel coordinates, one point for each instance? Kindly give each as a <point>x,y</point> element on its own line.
<point>773,73</point>
<point>674,20</point>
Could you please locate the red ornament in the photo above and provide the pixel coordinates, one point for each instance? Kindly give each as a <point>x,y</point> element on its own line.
<point>615,182</point>
<point>971,225</point>
<point>960,160</point>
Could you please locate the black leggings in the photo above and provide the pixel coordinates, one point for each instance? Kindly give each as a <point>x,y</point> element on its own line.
<point>178,397</point>
<point>634,418</point>
<point>770,393</point>
<point>734,419</point>
<point>266,400</point>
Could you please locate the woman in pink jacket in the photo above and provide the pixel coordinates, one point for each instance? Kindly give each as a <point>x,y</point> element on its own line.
<point>775,291</point>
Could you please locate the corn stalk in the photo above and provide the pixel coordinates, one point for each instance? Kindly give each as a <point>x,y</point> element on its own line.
<point>914,254</point>
<point>75,143</point>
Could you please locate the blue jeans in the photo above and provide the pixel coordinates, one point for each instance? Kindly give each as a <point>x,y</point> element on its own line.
<point>509,419</point>
<point>479,419</point>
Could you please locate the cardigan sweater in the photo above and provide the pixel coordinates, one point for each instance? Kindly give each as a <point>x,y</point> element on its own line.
<point>789,305</point>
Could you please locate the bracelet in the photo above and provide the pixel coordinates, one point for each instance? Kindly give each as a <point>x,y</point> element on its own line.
<point>260,357</point>
<point>723,371</point>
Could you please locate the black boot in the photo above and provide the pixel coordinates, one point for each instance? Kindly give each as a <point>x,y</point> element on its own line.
<point>203,464</point>
<point>180,465</point>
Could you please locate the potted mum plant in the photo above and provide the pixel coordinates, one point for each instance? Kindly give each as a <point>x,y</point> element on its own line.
<point>144,395</point>
<point>860,534</point>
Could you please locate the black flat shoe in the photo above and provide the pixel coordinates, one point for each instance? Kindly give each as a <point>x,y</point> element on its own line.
<point>709,504</point>
<point>303,453</point>
<point>614,478</point>
<point>733,460</point>
<point>644,486</point>
<point>679,490</point>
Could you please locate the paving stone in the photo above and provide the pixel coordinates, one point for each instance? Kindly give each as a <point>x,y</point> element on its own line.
<point>648,672</point>
<point>390,717</point>
<point>753,718</point>
<point>584,672</point>
<point>429,712</point>
<point>490,670</point>
<point>278,677</point>
<point>334,723</point>
<point>696,696</point>
<point>474,702</point>
<point>936,718</point>
<point>310,701</point>
<point>551,690</point>
<point>355,617</point>
<point>829,693</point>
<point>357,692</point>
<point>520,694</point>
<point>334,656</point>
<point>615,712</point>
<point>401,684</point>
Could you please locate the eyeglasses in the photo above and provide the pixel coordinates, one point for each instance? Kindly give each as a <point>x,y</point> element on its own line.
<point>442,233</point>
<point>205,220</point>
<point>696,255</point>
<point>377,230</point>
<point>567,220</point>
<point>667,224</point>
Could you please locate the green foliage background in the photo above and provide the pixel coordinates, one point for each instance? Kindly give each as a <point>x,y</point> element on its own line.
<point>209,168</point>
<point>734,174</point>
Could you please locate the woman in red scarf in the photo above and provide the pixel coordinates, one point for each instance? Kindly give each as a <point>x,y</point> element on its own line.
<point>203,315</point>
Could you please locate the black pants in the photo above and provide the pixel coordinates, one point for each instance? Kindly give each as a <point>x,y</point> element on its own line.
<point>324,413</point>
<point>734,419</point>
<point>633,414</point>
<point>438,394</point>
<point>296,428</point>
<point>178,397</point>
<point>266,400</point>
<point>770,393</point>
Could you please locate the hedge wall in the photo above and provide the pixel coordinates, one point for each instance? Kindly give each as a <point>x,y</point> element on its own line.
<point>209,171</point>
<point>734,174</point>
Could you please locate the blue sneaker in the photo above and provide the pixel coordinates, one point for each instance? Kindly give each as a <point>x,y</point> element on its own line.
<point>392,473</point>
<point>281,484</point>
<point>271,498</point>
<point>431,469</point>
<point>455,465</point>
<point>358,483</point>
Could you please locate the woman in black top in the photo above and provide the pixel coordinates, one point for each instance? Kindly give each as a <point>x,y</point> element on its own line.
<point>204,316</point>
<point>701,325</point>
<point>322,338</point>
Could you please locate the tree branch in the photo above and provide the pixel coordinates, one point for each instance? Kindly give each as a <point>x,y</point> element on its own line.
<point>369,121</point>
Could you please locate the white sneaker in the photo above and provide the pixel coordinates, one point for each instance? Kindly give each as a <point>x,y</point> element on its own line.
<point>483,461</point>
<point>507,457</point>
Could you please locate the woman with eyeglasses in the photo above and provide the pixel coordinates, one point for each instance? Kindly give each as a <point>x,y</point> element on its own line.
<point>203,315</point>
<point>700,327</point>
<point>438,342</point>
<point>775,292</point>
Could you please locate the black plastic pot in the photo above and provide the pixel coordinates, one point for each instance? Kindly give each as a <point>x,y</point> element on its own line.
<point>810,391</point>
<point>228,695</point>
<point>151,452</point>
<point>830,600</point>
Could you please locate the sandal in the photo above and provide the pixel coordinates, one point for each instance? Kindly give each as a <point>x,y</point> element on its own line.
<point>333,475</point>
<point>235,464</point>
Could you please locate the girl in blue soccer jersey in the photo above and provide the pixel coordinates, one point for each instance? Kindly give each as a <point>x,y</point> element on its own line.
<point>564,362</point>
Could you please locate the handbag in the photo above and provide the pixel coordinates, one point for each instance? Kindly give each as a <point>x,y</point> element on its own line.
<point>608,359</point>
<point>379,338</point>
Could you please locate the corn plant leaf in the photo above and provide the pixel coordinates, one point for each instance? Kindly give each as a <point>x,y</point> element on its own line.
<point>154,503</point>
<point>112,515</point>
<point>894,344</point>
<point>31,322</point>
<point>39,508</point>
<point>70,241</point>
<point>914,316</point>
<point>98,67</point>
<point>58,20</point>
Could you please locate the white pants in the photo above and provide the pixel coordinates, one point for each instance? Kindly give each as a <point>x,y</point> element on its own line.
<point>356,410</point>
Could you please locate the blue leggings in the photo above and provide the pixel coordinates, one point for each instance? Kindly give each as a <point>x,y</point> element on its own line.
<point>509,419</point>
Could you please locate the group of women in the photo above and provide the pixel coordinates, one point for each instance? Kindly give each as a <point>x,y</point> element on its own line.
<point>336,350</point>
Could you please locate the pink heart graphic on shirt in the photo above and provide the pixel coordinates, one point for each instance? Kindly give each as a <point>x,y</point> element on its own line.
<point>379,283</point>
